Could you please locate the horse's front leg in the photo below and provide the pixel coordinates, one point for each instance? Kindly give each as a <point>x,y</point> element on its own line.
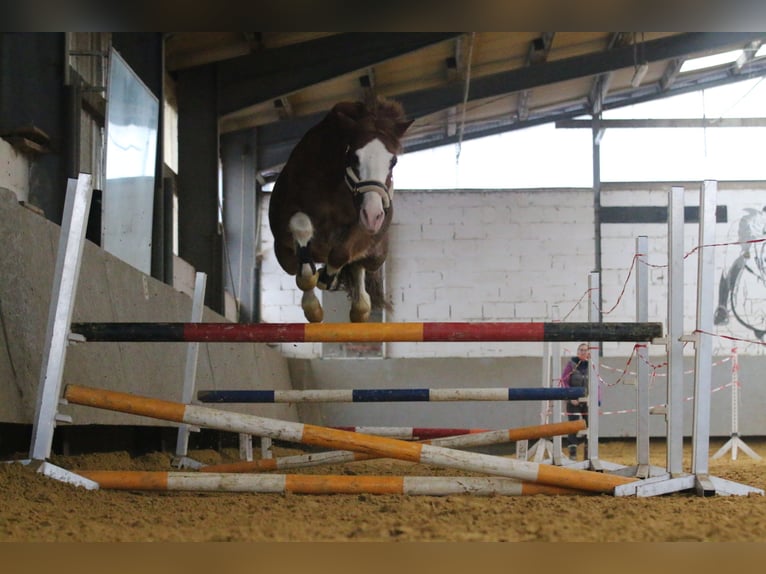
<point>306,276</point>
<point>328,279</point>
<point>360,299</point>
<point>329,275</point>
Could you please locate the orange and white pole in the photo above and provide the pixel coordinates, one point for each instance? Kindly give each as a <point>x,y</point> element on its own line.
<point>342,456</point>
<point>344,440</point>
<point>317,484</point>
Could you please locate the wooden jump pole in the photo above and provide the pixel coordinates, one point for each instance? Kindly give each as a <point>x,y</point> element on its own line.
<point>343,440</point>
<point>365,332</point>
<point>317,484</point>
<point>390,395</point>
<point>343,456</point>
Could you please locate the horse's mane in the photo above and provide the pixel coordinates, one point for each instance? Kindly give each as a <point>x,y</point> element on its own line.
<point>384,109</point>
<point>379,109</point>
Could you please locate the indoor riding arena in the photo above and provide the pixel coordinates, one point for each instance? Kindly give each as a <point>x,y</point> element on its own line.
<point>219,322</point>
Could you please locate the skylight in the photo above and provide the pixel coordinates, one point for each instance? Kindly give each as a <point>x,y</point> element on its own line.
<point>710,61</point>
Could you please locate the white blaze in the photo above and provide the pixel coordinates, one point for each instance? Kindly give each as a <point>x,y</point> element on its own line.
<point>374,164</point>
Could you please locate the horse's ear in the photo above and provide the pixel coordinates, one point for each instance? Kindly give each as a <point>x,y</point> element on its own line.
<point>401,127</point>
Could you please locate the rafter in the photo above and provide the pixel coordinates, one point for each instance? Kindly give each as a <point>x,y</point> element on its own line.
<point>258,78</point>
<point>538,54</point>
<point>278,139</point>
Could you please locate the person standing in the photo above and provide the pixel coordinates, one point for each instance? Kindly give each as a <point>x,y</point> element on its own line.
<point>576,375</point>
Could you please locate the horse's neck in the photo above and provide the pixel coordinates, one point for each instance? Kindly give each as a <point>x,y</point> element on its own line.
<point>325,148</point>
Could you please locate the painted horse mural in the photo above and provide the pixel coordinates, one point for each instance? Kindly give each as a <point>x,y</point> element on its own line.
<point>332,205</point>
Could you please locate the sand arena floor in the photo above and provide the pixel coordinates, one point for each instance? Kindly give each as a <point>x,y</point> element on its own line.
<point>37,509</point>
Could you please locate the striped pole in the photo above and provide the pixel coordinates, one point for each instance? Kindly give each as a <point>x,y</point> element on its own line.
<point>390,395</point>
<point>365,332</point>
<point>343,456</point>
<point>343,440</point>
<point>317,484</point>
<point>411,433</point>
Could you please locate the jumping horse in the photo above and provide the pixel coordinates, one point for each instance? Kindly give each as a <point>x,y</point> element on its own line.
<point>332,205</point>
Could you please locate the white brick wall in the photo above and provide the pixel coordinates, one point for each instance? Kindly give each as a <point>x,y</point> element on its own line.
<point>510,255</point>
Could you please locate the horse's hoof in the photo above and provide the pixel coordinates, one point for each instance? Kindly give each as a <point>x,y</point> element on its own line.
<point>306,283</point>
<point>360,310</point>
<point>312,309</point>
<point>358,316</point>
<point>314,315</point>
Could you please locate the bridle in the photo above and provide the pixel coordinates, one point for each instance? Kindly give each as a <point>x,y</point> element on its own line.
<point>359,187</point>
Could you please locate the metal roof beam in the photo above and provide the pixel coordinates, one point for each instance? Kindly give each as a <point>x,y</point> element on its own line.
<point>671,73</point>
<point>281,143</point>
<point>602,82</point>
<point>278,139</point>
<point>747,56</point>
<point>429,101</point>
<point>684,84</point>
<point>267,75</point>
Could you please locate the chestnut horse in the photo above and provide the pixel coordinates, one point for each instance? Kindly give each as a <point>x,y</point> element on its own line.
<point>332,204</point>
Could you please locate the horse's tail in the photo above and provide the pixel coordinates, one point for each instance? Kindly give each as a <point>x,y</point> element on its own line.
<point>373,283</point>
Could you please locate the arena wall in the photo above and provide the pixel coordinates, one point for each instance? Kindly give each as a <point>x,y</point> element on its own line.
<point>109,290</point>
<point>512,255</point>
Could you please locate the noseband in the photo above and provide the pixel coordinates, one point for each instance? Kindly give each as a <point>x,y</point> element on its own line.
<point>359,187</point>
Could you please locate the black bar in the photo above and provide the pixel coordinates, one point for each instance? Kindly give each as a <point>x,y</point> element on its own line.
<point>130,332</point>
<point>614,332</point>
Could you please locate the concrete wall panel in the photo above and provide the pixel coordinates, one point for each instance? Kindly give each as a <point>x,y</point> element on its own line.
<point>108,290</point>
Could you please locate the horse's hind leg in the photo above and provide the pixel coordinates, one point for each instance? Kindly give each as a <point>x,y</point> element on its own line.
<point>360,299</point>
<point>306,276</point>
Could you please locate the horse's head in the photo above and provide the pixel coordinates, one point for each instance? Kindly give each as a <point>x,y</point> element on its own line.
<point>373,144</point>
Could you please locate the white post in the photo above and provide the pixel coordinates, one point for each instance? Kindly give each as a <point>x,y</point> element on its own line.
<point>735,443</point>
<point>245,446</point>
<point>734,400</point>
<point>642,357</point>
<point>546,375</point>
<point>266,447</point>
<point>675,346</point>
<point>704,344</point>
<point>556,376</point>
<point>542,446</point>
<point>65,277</point>
<point>190,371</point>
<point>593,379</point>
